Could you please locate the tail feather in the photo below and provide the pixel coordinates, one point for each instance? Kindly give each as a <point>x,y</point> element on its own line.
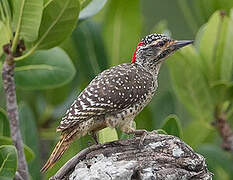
<point>58,151</point>
<point>65,141</point>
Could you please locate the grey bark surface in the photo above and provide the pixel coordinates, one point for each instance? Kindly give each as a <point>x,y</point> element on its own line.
<point>161,157</point>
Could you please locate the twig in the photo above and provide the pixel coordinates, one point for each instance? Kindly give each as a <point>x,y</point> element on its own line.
<point>224,130</point>
<point>17,176</point>
<point>161,157</point>
<point>12,107</point>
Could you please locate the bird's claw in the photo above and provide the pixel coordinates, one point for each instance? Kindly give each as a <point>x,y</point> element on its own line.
<point>142,134</point>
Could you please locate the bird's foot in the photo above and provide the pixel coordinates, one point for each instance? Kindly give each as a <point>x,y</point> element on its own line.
<point>142,133</point>
<point>94,137</point>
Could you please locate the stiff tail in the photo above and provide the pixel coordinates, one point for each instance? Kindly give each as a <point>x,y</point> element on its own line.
<point>58,151</point>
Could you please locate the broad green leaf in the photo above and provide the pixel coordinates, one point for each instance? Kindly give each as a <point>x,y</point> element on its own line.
<point>91,54</point>
<point>1,85</point>
<point>223,91</point>
<point>28,126</point>
<point>84,3</point>
<point>159,108</point>
<point>144,120</point>
<point>5,36</point>
<point>44,69</point>
<point>199,36</point>
<point>8,162</point>
<point>197,133</point>
<point>172,126</point>
<point>58,21</point>
<point>217,53</point>
<point>227,57</point>
<point>27,16</point>
<point>204,9</point>
<point>107,135</point>
<point>4,124</point>
<point>27,151</point>
<point>91,8</point>
<point>212,45</point>
<point>216,157</point>
<point>122,29</point>
<point>190,84</point>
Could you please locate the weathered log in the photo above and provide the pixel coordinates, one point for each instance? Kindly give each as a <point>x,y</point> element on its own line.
<point>161,157</point>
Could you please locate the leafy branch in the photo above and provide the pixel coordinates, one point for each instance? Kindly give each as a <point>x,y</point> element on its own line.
<point>41,27</point>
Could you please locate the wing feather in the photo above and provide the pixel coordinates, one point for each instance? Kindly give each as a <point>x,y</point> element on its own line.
<point>111,91</point>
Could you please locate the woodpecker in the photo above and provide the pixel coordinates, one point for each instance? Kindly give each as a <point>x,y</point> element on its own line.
<point>115,96</point>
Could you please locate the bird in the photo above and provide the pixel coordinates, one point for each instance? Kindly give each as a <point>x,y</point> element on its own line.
<point>117,95</point>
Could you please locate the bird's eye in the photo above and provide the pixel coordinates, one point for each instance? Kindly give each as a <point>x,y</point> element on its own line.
<point>161,43</point>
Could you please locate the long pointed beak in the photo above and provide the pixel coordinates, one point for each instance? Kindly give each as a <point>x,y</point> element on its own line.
<point>180,44</point>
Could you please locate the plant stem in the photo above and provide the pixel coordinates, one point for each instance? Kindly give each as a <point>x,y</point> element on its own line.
<point>30,52</point>
<point>12,110</point>
<point>224,129</point>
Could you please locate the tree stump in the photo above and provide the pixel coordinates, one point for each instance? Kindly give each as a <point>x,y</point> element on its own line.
<point>161,157</point>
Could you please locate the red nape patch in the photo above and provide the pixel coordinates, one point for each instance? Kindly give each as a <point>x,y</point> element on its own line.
<point>134,54</point>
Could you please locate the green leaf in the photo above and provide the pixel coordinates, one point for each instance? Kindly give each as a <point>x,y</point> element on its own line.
<point>197,132</point>
<point>107,135</point>
<point>28,126</point>
<point>172,126</point>
<point>204,9</point>
<point>91,8</point>
<point>84,3</point>
<point>58,21</point>
<point>217,53</point>
<point>5,36</point>
<point>161,131</point>
<point>122,29</point>
<point>27,151</point>
<point>8,162</point>
<point>4,124</point>
<point>1,85</point>
<point>227,57</point>
<point>27,16</point>
<point>223,91</point>
<point>89,45</point>
<point>44,69</point>
<point>190,84</point>
<point>216,157</point>
<point>145,119</point>
<point>212,45</point>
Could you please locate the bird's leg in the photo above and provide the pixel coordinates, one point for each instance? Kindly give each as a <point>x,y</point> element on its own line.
<point>94,136</point>
<point>142,133</point>
<point>128,129</point>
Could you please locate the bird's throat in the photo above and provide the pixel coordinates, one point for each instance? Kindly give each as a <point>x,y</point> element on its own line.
<point>151,65</point>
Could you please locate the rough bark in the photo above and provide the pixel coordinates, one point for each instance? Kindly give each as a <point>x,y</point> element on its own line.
<point>161,157</point>
<point>12,111</point>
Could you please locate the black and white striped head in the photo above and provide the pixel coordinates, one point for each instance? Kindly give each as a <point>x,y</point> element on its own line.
<point>156,47</point>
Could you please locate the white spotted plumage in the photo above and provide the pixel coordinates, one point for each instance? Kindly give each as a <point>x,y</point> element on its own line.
<point>114,91</point>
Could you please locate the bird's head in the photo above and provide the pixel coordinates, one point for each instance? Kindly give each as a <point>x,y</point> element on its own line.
<point>154,48</point>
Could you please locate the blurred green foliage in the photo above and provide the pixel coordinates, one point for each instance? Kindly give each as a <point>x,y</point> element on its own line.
<point>192,83</point>
<point>8,161</point>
